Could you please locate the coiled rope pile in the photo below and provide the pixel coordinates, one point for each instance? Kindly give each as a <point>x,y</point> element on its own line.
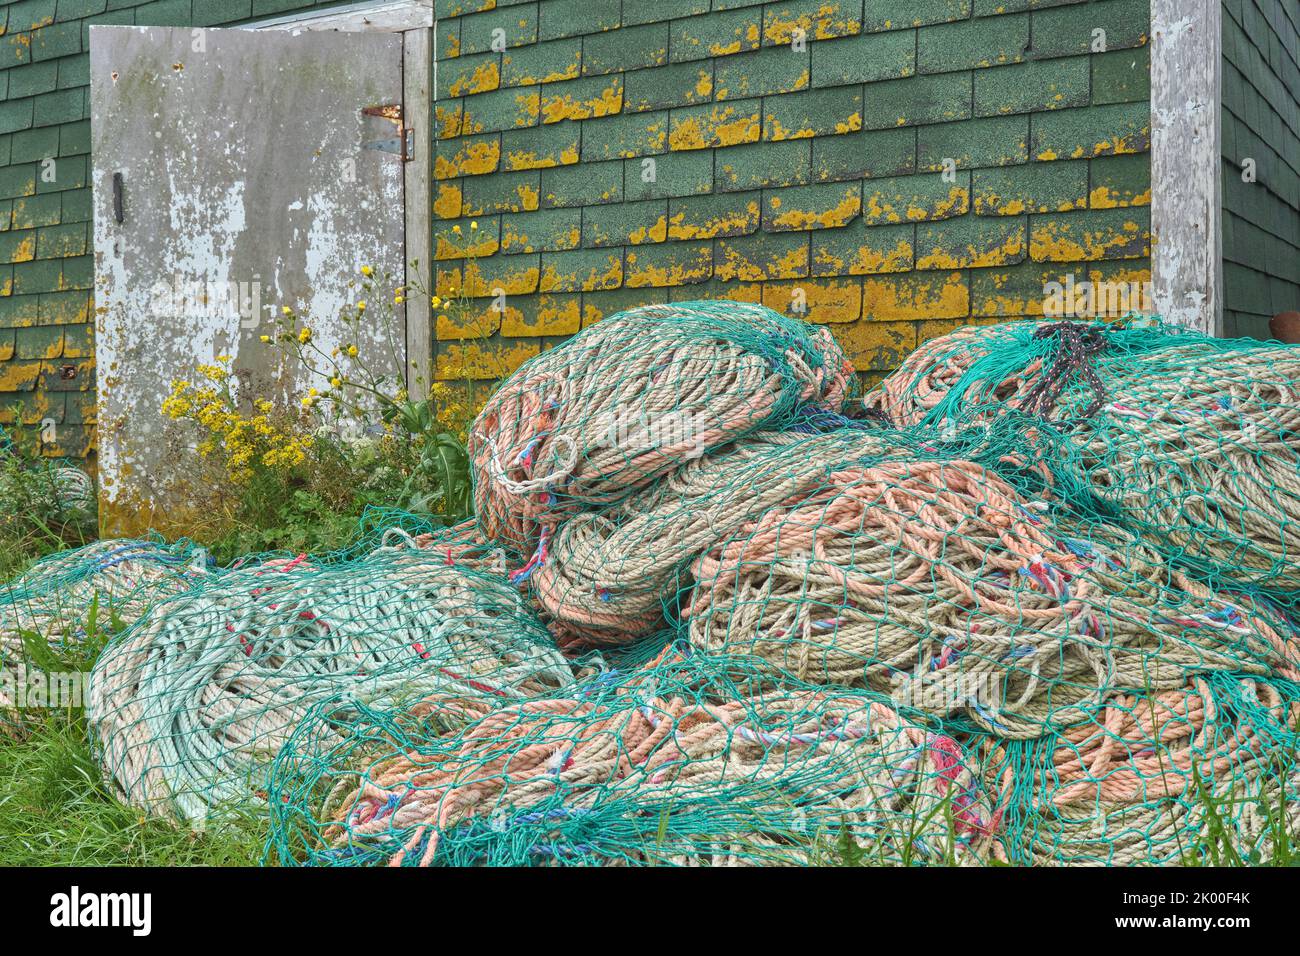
<point>936,580</point>
<point>61,488</point>
<point>662,772</point>
<point>611,576</point>
<point>625,401</point>
<point>957,578</point>
<point>1033,607</point>
<point>190,705</point>
<point>1191,441</point>
<point>100,586</point>
<point>1201,774</point>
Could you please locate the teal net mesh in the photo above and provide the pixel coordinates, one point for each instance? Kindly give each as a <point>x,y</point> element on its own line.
<point>189,705</point>
<point>1030,601</point>
<point>1199,775</point>
<point>667,763</point>
<point>1190,441</point>
<point>80,596</point>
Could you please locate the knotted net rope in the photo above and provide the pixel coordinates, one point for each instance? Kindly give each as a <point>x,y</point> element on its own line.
<point>627,400</point>
<point>1191,775</point>
<point>611,576</point>
<point>661,772</point>
<point>937,582</point>
<point>1190,440</point>
<point>120,578</point>
<point>188,707</point>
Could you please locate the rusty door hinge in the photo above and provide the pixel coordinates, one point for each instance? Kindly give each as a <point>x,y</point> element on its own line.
<point>403,144</point>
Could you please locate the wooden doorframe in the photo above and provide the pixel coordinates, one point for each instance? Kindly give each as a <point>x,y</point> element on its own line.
<point>1187,162</point>
<point>414,20</point>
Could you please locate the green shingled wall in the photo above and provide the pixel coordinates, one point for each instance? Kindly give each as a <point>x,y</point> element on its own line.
<point>803,176</point>
<point>1261,121</point>
<point>46,265</point>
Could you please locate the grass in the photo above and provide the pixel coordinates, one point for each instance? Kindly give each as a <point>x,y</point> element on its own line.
<point>55,810</point>
<point>55,807</point>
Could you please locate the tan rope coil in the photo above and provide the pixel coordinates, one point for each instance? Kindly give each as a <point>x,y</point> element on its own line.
<point>935,581</point>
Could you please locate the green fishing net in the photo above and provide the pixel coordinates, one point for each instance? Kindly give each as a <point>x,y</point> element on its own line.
<point>189,705</point>
<point>56,489</point>
<point>80,597</point>
<point>667,763</point>
<point>1030,602</point>
<point>1190,441</point>
<point>1199,775</point>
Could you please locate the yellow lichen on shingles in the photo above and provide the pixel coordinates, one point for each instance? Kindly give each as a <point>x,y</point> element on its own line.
<point>736,264</point>
<point>723,125</point>
<point>482,322</point>
<point>448,201</point>
<point>447,120</point>
<point>26,249</point>
<point>738,222</point>
<point>656,232</point>
<point>517,275</point>
<point>915,297</point>
<point>869,261</point>
<point>473,360</point>
<point>528,198</point>
<point>746,39</point>
<point>828,22</point>
<point>474,159</point>
<point>899,208</point>
<point>841,214</point>
<point>687,135</point>
<point>817,300</point>
<point>1010,250</point>
<point>1103,197</point>
<point>19,376</point>
<point>596,279</point>
<point>1055,240</point>
<point>562,106</point>
<point>554,315</point>
<point>697,266</point>
<point>485,78</point>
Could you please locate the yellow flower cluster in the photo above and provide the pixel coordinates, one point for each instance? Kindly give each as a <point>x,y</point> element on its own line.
<point>246,441</point>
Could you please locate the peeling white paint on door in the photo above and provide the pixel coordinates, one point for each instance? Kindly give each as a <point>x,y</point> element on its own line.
<point>236,203</point>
